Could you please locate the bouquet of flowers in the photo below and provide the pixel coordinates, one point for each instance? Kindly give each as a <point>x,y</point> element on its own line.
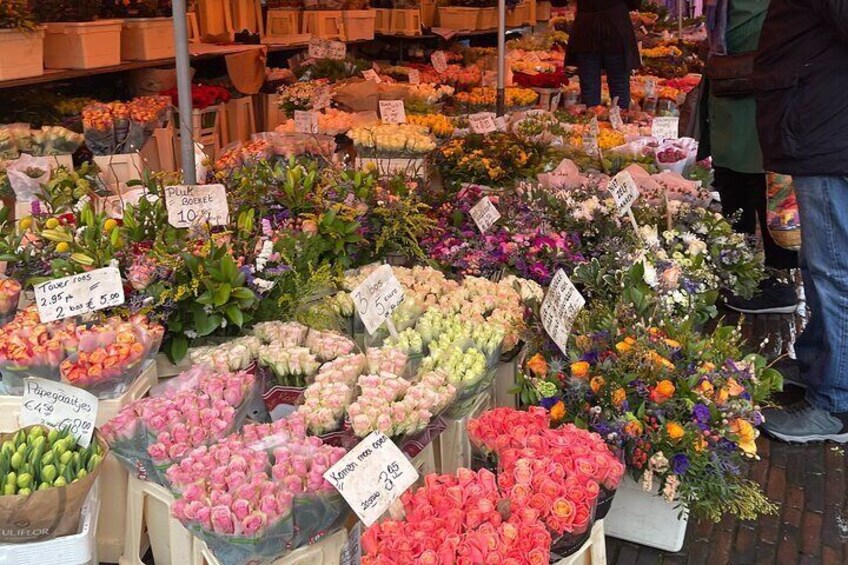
<point>286,334</point>
<point>392,139</point>
<point>55,140</point>
<point>111,355</point>
<point>29,348</point>
<point>10,295</point>
<point>290,366</point>
<point>455,519</point>
<point>682,407</point>
<point>234,355</point>
<point>150,434</point>
<point>334,388</point>
<point>258,493</point>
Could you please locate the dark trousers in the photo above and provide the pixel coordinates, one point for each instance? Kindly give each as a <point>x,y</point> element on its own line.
<point>589,66</point>
<point>745,194</point>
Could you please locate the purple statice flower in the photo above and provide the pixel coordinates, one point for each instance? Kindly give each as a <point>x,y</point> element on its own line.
<point>590,357</point>
<point>701,413</point>
<point>680,464</point>
<point>548,402</point>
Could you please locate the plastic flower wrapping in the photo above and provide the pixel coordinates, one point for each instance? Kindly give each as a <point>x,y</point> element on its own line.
<point>102,358</point>
<point>258,493</point>
<point>198,407</point>
<point>119,127</point>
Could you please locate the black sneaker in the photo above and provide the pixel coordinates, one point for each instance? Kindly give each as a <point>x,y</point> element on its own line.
<point>775,297</point>
<point>804,423</point>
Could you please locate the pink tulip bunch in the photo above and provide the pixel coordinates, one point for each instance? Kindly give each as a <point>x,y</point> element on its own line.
<point>287,334</point>
<point>332,391</point>
<point>329,345</point>
<point>186,419</point>
<point>453,520</point>
<point>386,360</point>
<point>248,481</point>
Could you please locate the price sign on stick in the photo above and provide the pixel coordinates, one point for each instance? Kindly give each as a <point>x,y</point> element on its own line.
<point>665,128</point>
<point>79,294</point>
<point>414,76</point>
<point>190,204</point>
<point>439,61</point>
<point>392,112</point>
<point>482,122</point>
<point>625,192</point>
<point>559,309</point>
<point>59,406</point>
<point>371,74</point>
<point>317,48</point>
<point>321,97</point>
<point>371,476</point>
<point>377,297</point>
<point>615,116</point>
<point>336,50</point>
<point>590,138</point>
<point>484,214</point>
<point>305,122</point>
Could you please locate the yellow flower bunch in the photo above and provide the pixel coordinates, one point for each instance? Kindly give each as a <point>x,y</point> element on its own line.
<point>661,52</point>
<point>438,124</point>
<point>486,96</point>
<point>609,138</point>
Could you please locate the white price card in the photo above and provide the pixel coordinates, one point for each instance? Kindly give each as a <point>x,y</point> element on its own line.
<point>590,138</point>
<point>59,406</point>
<point>79,294</point>
<point>500,123</point>
<point>371,74</point>
<point>392,112</point>
<point>650,88</point>
<point>352,552</point>
<point>414,76</point>
<point>615,116</point>
<point>440,61</point>
<point>305,122</point>
<point>336,50</point>
<point>624,191</point>
<point>321,97</point>
<point>484,214</point>
<point>482,122</point>
<point>371,476</point>
<point>665,127</point>
<point>317,48</point>
<point>377,297</point>
<point>559,309</point>
<point>190,204</point>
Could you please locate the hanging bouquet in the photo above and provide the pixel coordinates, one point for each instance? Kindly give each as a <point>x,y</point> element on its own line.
<point>258,493</point>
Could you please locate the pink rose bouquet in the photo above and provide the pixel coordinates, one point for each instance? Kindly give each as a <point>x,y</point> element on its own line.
<point>288,334</point>
<point>325,400</point>
<point>150,434</point>
<point>386,360</point>
<point>329,345</point>
<point>257,493</point>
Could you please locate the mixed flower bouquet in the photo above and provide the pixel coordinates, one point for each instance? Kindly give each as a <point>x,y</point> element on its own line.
<point>682,407</point>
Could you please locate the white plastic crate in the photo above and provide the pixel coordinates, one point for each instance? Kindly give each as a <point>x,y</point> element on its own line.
<point>76,549</point>
<point>327,551</point>
<point>593,552</point>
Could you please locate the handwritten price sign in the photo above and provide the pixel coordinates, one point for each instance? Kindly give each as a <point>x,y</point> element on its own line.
<point>372,476</point>
<point>392,112</point>
<point>79,294</point>
<point>559,309</point>
<point>59,406</point>
<point>665,128</point>
<point>624,191</point>
<point>484,214</point>
<point>305,122</point>
<point>615,116</point>
<point>336,50</point>
<point>371,74</point>
<point>414,76</point>
<point>317,48</point>
<point>482,122</point>
<point>190,204</point>
<point>590,138</point>
<point>377,297</point>
<point>439,61</point>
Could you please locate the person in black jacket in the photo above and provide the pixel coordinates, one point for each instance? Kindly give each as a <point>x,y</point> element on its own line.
<point>801,80</point>
<point>602,37</point>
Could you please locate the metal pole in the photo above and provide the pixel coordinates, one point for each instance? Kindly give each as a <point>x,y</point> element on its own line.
<point>680,19</point>
<point>184,91</point>
<point>501,56</point>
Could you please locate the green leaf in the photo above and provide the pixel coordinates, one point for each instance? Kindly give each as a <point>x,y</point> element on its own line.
<point>234,314</point>
<point>221,295</point>
<point>178,348</point>
<point>241,293</point>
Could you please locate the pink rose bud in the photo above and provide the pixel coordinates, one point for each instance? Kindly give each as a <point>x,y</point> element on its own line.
<point>240,508</point>
<point>222,520</point>
<point>253,523</point>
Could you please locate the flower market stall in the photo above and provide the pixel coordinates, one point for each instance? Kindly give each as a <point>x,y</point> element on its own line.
<point>391,322</point>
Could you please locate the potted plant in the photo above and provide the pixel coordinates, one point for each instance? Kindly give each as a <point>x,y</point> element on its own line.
<point>75,38</point>
<point>21,42</point>
<point>148,31</point>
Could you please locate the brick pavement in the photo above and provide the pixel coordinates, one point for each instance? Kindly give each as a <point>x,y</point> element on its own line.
<point>807,482</point>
